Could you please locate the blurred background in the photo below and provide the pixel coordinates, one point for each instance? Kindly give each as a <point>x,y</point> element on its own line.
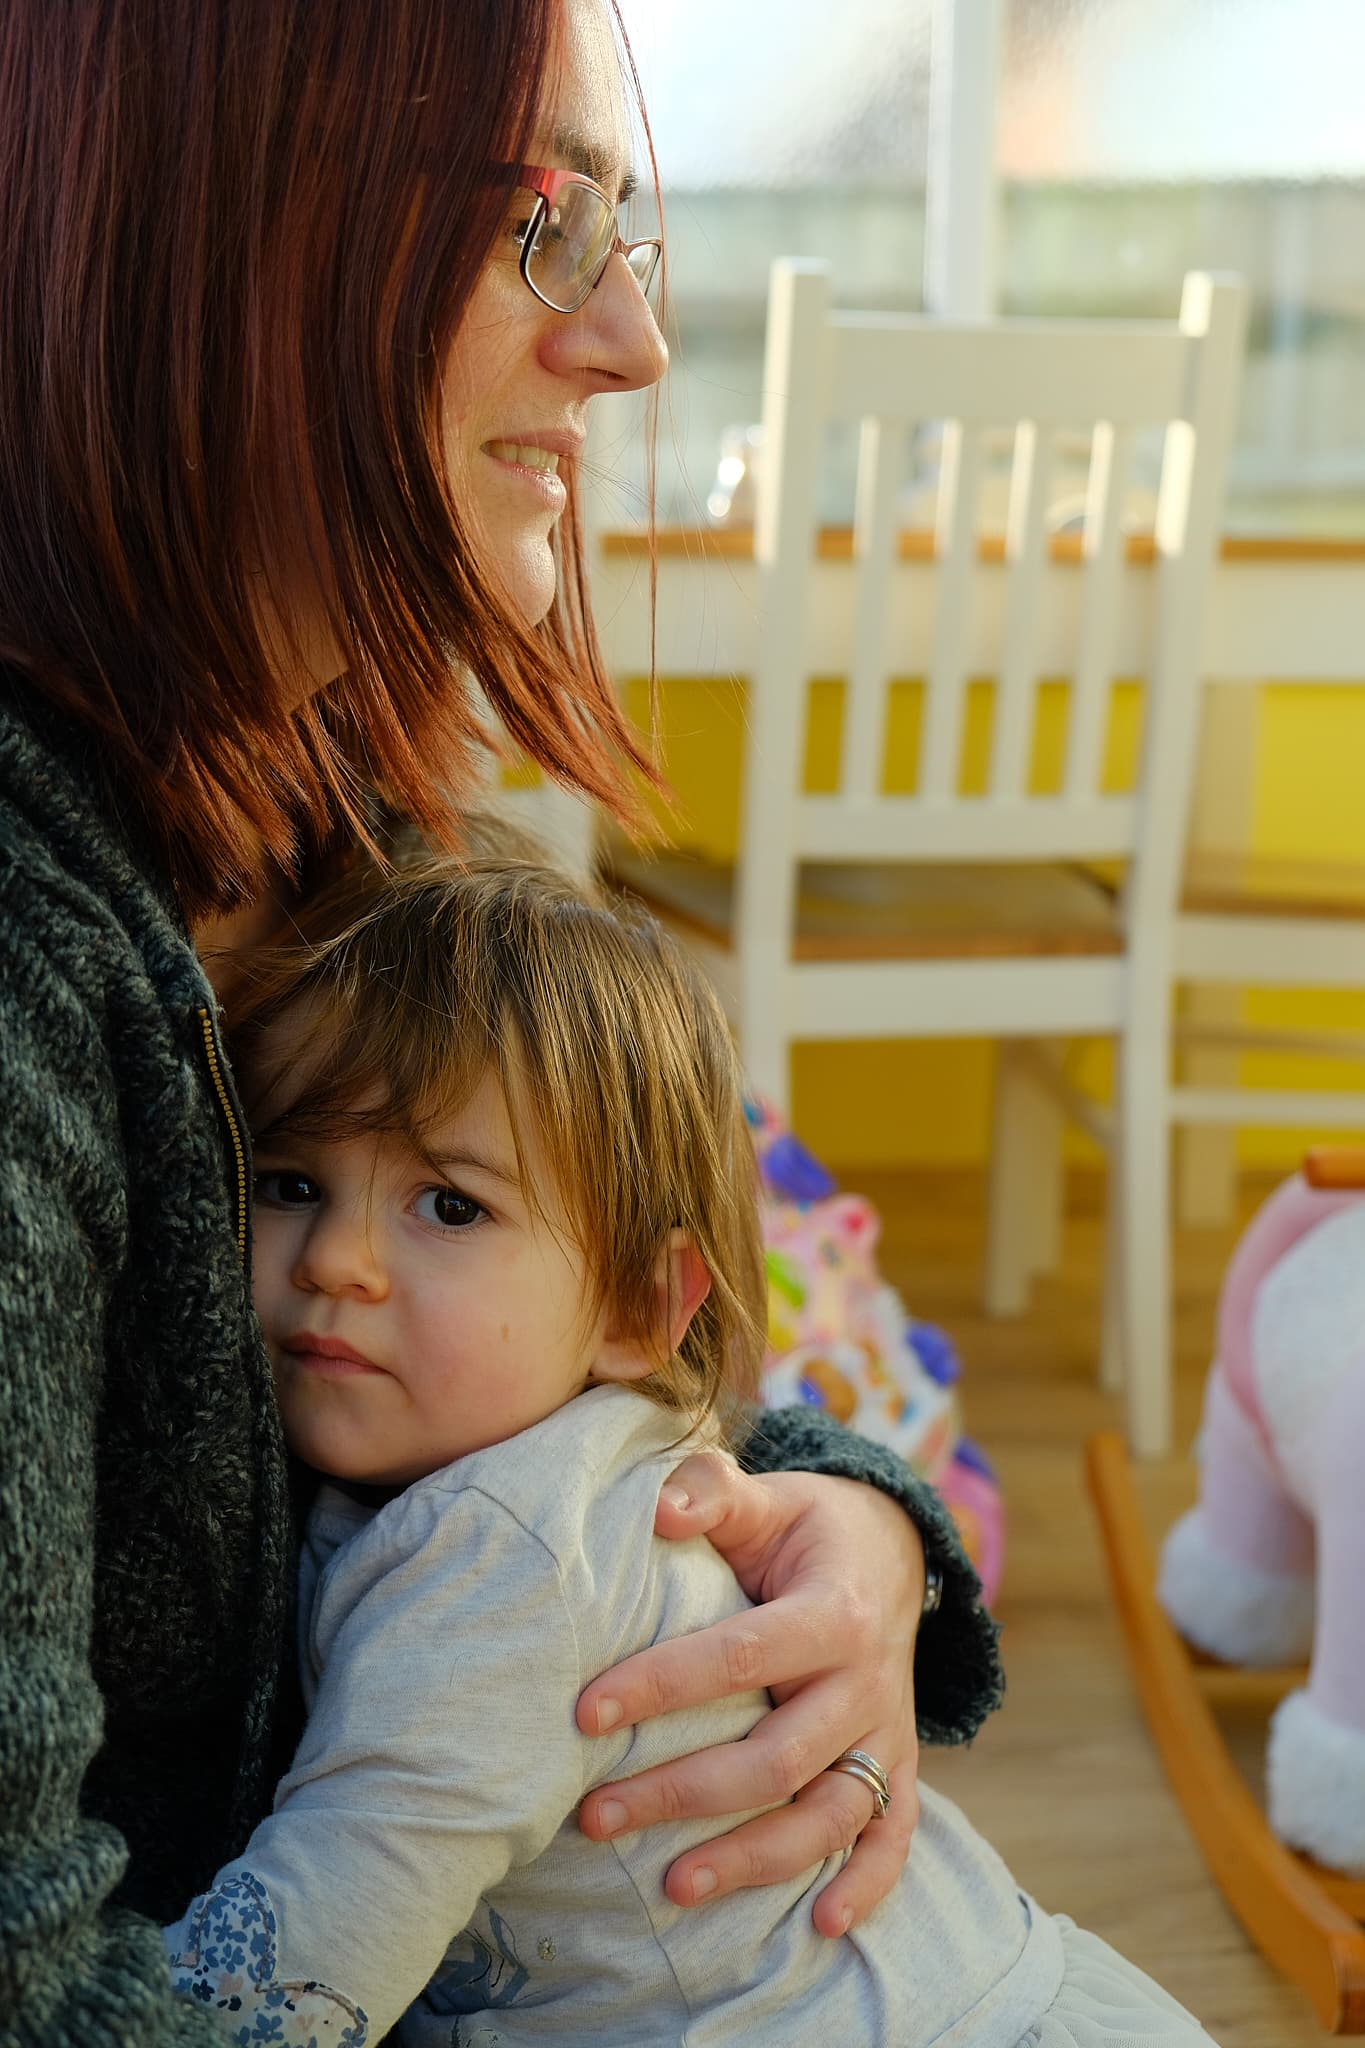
<point>1134,140</point>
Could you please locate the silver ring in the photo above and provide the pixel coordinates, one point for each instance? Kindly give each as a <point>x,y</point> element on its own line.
<point>856,1763</point>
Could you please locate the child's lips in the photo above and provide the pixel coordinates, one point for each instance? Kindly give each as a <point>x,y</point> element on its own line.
<point>330,1356</point>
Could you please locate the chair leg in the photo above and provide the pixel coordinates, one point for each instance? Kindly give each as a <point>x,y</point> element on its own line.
<point>1144,1224</point>
<point>1206,1155</point>
<point>1048,1208</point>
<point>766,1052</point>
<point>1112,1364</point>
<point>1025,1182</point>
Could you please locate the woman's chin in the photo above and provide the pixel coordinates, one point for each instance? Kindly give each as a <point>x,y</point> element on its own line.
<point>531,579</point>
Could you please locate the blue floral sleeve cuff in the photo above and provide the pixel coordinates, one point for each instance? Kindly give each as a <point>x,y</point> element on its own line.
<point>223,1956</point>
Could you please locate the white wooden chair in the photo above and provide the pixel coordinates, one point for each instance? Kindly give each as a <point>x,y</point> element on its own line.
<point>933,912</point>
<point>1268,922</point>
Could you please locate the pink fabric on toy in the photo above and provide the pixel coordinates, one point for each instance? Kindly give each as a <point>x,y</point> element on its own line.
<point>1336,1682</point>
<point>1292,1211</point>
<point>1251,1518</point>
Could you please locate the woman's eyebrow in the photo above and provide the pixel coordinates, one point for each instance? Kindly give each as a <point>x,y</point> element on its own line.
<point>594,160</point>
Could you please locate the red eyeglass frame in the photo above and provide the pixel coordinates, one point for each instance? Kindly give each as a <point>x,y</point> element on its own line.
<point>547,184</point>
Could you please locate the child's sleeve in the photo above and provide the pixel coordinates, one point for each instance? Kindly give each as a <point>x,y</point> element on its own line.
<point>958,1675</point>
<point>440,1752</point>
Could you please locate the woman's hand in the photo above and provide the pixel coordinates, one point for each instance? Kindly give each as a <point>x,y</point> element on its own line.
<point>839,1571</point>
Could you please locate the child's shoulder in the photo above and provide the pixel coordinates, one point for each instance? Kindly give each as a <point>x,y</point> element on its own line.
<point>552,1477</point>
<point>605,1446</point>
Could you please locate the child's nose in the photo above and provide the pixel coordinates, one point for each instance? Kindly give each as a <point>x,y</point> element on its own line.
<point>341,1255</point>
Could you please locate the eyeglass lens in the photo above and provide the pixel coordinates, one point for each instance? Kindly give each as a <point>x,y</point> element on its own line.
<point>571,245</point>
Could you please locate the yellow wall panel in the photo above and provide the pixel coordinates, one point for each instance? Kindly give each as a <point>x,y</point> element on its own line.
<point>882,1103</point>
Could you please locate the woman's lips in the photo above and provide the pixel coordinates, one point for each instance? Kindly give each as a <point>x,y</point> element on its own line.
<point>524,455</point>
<point>328,1356</point>
<point>534,467</point>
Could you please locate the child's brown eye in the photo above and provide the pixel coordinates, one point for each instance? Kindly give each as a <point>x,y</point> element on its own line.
<point>449,1208</point>
<point>284,1189</point>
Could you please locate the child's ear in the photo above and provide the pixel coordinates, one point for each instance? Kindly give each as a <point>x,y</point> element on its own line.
<point>681,1285</point>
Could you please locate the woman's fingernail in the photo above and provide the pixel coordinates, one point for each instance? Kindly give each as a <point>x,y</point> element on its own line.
<point>703,1883</point>
<point>845,1919</point>
<point>608,1714</point>
<point>676,1496</point>
<point>611,1816</point>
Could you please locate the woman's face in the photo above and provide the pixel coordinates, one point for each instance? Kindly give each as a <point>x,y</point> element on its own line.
<point>519,375</point>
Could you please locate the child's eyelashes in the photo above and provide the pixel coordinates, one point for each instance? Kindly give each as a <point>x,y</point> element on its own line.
<point>286,1188</point>
<point>448,1209</point>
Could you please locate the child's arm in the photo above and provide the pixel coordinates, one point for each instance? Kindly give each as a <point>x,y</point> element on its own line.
<point>440,1751</point>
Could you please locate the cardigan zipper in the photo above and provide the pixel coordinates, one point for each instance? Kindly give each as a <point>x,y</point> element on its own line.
<point>231,1118</point>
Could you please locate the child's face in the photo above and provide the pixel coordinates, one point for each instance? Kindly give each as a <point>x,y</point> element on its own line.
<point>410,1319</point>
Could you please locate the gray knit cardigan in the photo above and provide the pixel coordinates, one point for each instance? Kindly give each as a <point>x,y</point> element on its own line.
<point>146,1531</point>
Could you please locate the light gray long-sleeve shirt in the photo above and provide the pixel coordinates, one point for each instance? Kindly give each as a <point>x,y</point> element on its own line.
<point>424,1850</point>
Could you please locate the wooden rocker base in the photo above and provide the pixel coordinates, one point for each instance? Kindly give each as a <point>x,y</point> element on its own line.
<point>1303,1918</point>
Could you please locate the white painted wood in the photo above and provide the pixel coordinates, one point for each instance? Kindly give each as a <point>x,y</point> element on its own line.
<point>1024,1192</point>
<point>1092,1116</point>
<point>1048,370</point>
<point>1321,1109</point>
<point>1189,507</point>
<point>913,828</point>
<point>958,489</point>
<point>1113,1365</point>
<point>955,999</point>
<point>794,382</point>
<point>1295,621</point>
<point>822,366</point>
<point>961,232</point>
<point>880,470</point>
<point>563,822</point>
<point>1206,1154</point>
<point>1222,819</point>
<point>1025,549</point>
<point>1143,1159</point>
<point>1199,1032</point>
<point>1102,543</point>
<point>1270,952</point>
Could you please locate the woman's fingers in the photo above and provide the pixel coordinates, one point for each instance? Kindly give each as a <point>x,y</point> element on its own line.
<point>708,1495</point>
<point>877,1861</point>
<point>778,1760</point>
<point>825,1819</point>
<point>760,1647</point>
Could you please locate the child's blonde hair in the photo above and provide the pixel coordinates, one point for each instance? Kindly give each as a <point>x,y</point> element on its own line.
<point>412,986</point>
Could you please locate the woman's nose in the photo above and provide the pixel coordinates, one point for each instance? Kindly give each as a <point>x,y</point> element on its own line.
<point>340,1255</point>
<point>612,343</point>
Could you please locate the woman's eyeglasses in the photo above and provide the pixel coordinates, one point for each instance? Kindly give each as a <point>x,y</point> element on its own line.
<point>571,236</point>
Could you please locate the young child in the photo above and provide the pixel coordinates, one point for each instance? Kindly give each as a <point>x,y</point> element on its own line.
<point>507,1261</point>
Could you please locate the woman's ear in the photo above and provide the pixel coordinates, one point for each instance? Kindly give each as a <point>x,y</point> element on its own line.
<point>681,1285</point>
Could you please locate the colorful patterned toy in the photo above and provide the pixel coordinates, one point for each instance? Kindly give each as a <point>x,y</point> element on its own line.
<point>839,1338</point>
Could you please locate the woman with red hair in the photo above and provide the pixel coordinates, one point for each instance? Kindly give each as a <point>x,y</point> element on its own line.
<point>302,306</point>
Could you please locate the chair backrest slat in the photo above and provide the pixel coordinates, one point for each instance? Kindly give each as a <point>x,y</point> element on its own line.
<point>955,539</point>
<point>1009,370</point>
<point>1111,461</point>
<point>1025,551</point>
<point>1042,381</point>
<point>880,464</point>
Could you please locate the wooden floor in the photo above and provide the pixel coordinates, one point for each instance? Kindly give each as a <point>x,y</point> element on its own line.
<point>1063,1780</point>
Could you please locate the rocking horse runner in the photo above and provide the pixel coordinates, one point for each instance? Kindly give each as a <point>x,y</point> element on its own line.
<point>1266,1571</point>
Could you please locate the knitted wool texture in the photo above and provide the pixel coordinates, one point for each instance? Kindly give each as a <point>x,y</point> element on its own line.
<point>146,1540</point>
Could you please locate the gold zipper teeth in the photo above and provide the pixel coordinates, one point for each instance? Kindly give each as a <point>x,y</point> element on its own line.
<point>234,1129</point>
